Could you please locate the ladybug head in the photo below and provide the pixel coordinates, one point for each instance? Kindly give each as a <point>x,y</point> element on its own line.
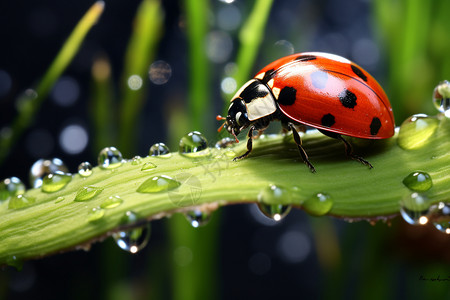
<point>236,119</point>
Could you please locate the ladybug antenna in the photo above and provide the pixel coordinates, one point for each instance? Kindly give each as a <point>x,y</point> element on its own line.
<point>234,134</point>
<point>220,118</point>
<point>221,127</point>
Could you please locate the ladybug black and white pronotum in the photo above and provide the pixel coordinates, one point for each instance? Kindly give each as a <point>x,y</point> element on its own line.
<point>321,90</point>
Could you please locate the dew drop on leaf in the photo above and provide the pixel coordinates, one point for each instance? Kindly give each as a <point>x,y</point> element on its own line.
<point>273,202</point>
<point>441,97</point>
<point>111,202</point>
<point>134,239</point>
<point>418,181</point>
<point>55,182</point>
<point>137,160</point>
<point>148,166</point>
<point>44,167</point>
<point>96,214</point>
<point>440,214</point>
<point>318,205</point>
<point>85,169</point>
<point>20,201</point>
<point>15,262</point>
<point>414,209</point>
<point>160,150</point>
<point>11,187</point>
<point>158,184</point>
<point>194,144</point>
<point>87,193</point>
<point>109,158</point>
<point>416,131</point>
<point>59,199</point>
<point>197,217</point>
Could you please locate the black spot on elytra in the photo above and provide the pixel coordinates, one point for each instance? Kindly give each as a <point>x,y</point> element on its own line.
<point>252,91</point>
<point>268,75</point>
<point>287,95</point>
<point>319,79</point>
<point>306,57</point>
<point>328,120</point>
<point>375,126</point>
<point>359,72</point>
<point>347,98</point>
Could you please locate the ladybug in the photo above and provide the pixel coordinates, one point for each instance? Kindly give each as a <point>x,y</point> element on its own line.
<point>320,90</point>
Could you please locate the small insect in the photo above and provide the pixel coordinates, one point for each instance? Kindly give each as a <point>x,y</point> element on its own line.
<point>320,90</point>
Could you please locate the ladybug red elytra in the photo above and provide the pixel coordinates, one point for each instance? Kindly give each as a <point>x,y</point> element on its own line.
<point>321,90</point>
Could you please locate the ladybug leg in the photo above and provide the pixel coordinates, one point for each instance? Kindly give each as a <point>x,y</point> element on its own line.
<point>302,151</point>
<point>249,145</point>
<point>349,152</point>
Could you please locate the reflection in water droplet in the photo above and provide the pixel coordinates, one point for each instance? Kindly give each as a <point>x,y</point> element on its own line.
<point>134,239</point>
<point>87,193</point>
<point>414,209</point>
<point>194,144</point>
<point>96,214</point>
<point>158,184</point>
<point>418,181</point>
<point>137,160</point>
<point>110,158</point>
<point>11,187</point>
<point>416,131</point>
<point>44,167</point>
<point>271,201</point>
<point>159,72</point>
<point>148,166</point>
<point>55,182</point>
<point>441,216</point>
<point>111,202</point>
<point>198,218</point>
<point>85,169</point>
<point>318,205</point>
<point>226,142</point>
<point>20,201</point>
<point>160,150</point>
<point>441,97</point>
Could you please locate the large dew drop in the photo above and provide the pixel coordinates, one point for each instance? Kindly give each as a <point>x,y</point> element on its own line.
<point>87,193</point>
<point>416,131</point>
<point>134,239</point>
<point>440,214</point>
<point>110,158</point>
<point>160,150</point>
<point>44,167</point>
<point>418,181</point>
<point>441,97</point>
<point>20,201</point>
<point>55,182</point>
<point>414,209</point>
<point>272,202</point>
<point>198,217</point>
<point>11,187</point>
<point>318,205</point>
<point>158,184</point>
<point>194,144</point>
<point>85,169</point>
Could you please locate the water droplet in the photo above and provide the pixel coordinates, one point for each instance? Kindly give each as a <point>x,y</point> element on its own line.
<point>135,239</point>
<point>55,182</point>
<point>11,187</point>
<point>158,184</point>
<point>137,160</point>
<point>15,262</point>
<point>414,209</point>
<point>160,150</point>
<point>44,167</point>
<point>318,205</point>
<point>96,214</point>
<point>226,142</point>
<point>111,202</point>
<point>148,166</point>
<point>272,201</point>
<point>59,199</point>
<point>416,131</point>
<point>20,201</point>
<point>418,181</point>
<point>441,97</point>
<point>110,158</point>
<point>194,144</point>
<point>87,193</point>
<point>198,217</point>
<point>440,214</point>
<point>85,169</point>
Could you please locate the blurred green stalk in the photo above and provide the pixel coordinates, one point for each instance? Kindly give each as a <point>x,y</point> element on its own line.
<point>29,104</point>
<point>139,55</point>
